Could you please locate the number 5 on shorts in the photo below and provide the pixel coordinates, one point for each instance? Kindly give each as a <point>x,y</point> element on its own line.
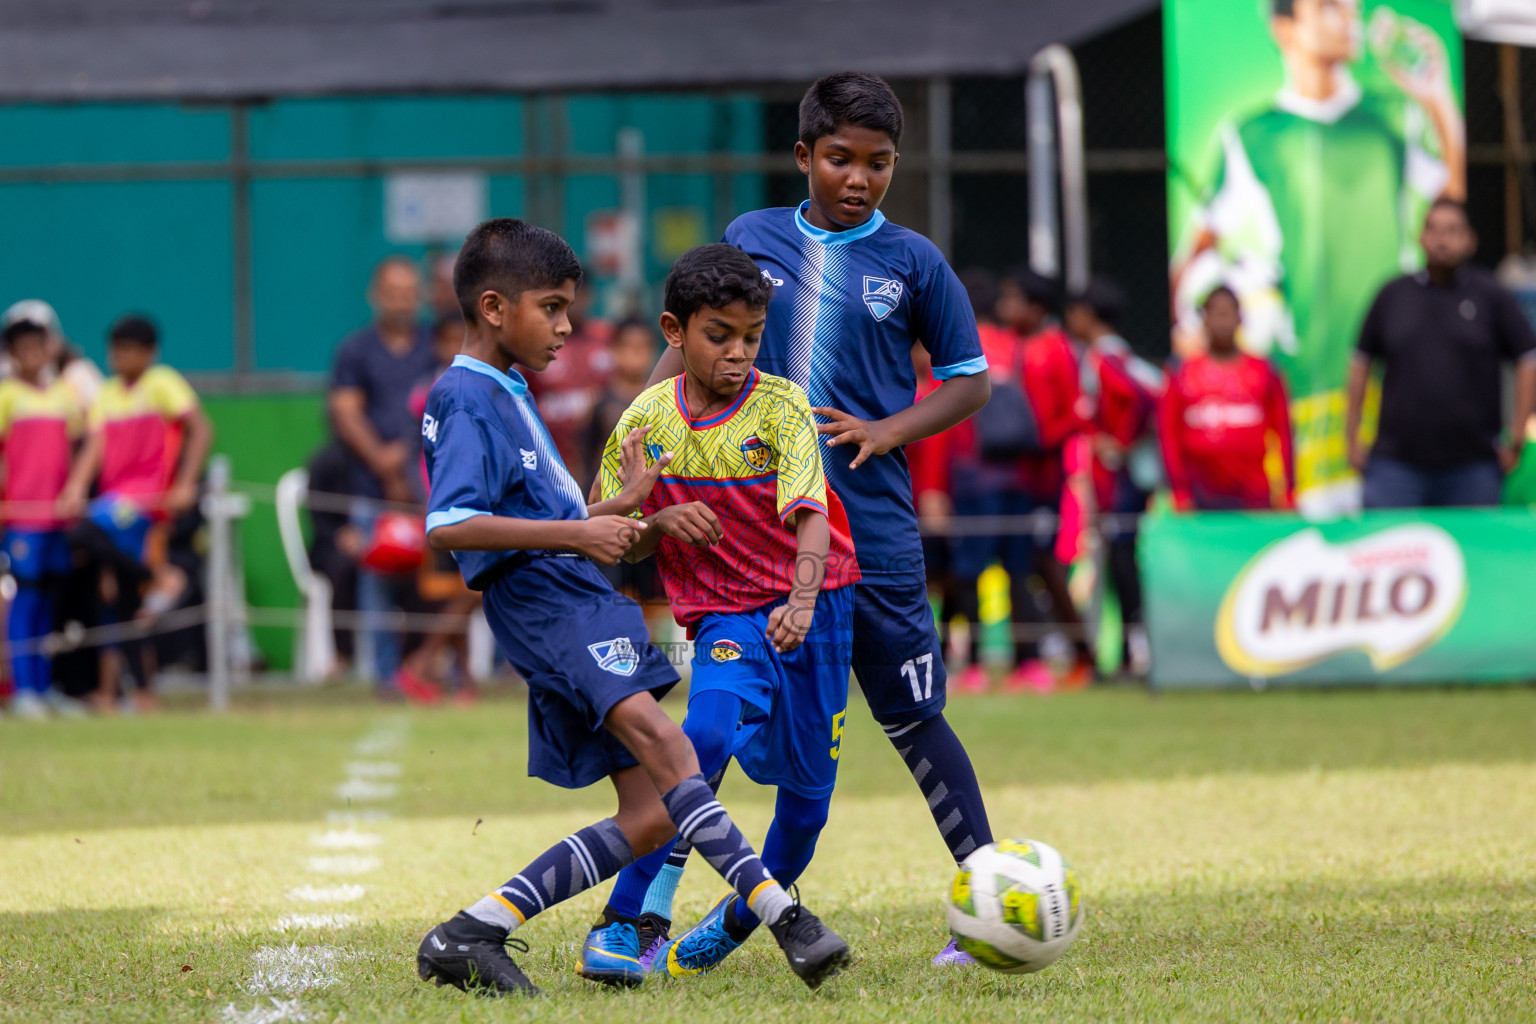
<point>837,733</point>
<point>909,669</point>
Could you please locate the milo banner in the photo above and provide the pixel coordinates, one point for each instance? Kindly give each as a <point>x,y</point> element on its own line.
<point>1306,140</point>
<point>1235,599</point>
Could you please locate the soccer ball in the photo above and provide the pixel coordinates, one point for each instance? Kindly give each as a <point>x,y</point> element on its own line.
<point>1016,906</point>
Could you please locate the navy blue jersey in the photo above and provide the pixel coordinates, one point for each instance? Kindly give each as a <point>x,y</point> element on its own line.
<point>847,307</point>
<point>489,454</point>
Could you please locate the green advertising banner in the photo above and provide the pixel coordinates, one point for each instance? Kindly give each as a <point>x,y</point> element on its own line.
<point>1240,599</point>
<point>1306,140</point>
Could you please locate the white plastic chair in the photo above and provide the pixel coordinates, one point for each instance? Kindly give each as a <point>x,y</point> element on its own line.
<point>314,643</point>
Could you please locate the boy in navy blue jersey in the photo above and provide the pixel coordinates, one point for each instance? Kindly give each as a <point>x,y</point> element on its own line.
<point>504,504</point>
<point>853,292</point>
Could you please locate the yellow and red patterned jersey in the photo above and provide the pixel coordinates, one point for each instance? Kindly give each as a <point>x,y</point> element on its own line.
<point>755,464</point>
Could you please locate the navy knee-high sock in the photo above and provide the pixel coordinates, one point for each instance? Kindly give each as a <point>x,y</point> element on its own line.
<point>577,862</point>
<point>711,726</point>
<point>797,824</point>
<point>942,770</point>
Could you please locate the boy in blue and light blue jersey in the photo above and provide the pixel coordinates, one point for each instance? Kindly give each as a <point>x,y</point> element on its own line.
<point>852,293</point>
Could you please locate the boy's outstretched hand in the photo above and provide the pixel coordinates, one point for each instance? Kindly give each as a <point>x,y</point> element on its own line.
<point>870,436</point>
<point>605,538</point>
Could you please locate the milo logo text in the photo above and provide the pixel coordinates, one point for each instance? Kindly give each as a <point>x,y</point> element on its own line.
<point>1391,595</point>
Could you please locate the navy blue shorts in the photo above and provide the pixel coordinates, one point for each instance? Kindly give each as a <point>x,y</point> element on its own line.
<point>896,652</point>
<point>792,734</point>
<point>582,648</point>
<point>124,522</point>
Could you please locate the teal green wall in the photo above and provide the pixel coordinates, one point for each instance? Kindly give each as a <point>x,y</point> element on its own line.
<point>161,242</point>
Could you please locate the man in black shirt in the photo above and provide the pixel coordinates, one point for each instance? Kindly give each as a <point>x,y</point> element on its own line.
<point>1441,336</point>
<point>375,369</point>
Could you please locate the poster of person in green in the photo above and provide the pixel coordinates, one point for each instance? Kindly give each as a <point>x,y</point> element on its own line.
<point>1307,139</point>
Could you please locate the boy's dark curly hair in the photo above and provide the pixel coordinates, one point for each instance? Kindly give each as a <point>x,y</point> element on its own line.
<point>712,277</point>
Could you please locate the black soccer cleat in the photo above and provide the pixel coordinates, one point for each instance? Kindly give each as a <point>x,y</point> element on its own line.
<point>471,955</point>
<point>814,951</point>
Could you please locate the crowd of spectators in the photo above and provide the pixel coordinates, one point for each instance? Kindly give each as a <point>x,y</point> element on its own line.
<point>101,485</point>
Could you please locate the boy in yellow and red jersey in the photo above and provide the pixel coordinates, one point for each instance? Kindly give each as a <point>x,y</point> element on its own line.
<point>38,423</point>
<point>758,563</point>
<point>147,440</point>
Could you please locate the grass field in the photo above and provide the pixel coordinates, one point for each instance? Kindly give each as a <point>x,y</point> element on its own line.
<point>1321,857</point>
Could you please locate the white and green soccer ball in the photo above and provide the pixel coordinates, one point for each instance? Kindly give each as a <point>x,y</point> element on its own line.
<point>1016,906</point>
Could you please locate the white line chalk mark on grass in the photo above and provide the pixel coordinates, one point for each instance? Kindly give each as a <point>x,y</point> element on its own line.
<point>300,922</point>
<point>347,840</point>
<point>369,817</point>
<point>363,789</point>
<point>344,864</point>
<point>327,894</point>
<point>280,1010</point>
<point>289,970</point>
<point>373,769</point>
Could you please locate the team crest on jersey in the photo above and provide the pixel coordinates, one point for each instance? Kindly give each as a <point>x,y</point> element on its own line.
<point>617,656</point>
<point>881,296</point>
<point>530,459</point>
<point>757,453</point>
<point>725,650</point>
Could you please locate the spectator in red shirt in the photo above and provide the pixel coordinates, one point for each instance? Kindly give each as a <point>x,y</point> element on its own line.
<point>1220,415</point>
<point>986,484</point>
<point>1119,394</point>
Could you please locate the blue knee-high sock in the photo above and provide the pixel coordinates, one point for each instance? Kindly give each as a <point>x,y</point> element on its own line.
<point>942,770</point>
<point>797,824</point>
<point>577,862</point>
<point>30,617</point>
<point>711,726</point>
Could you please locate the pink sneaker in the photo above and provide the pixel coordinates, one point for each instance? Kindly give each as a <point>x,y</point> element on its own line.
<point>953,956</point>
<point>973,680</point>
<point>1031,677</point>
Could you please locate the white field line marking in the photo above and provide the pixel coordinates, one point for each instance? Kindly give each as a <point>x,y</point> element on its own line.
<point>344,864</point>
<point>382,740</point>
<point>369,817</point>
<point>299,922</point>
<point>324,894</point>
<point>289,970</point>
<point>373,769</point>
<point>362,789</point>
<point>348,840</point>
<point>280,1010</point>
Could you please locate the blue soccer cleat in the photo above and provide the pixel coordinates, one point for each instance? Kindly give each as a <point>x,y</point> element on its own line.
<point>701,948</point>
<point>611,955</point>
